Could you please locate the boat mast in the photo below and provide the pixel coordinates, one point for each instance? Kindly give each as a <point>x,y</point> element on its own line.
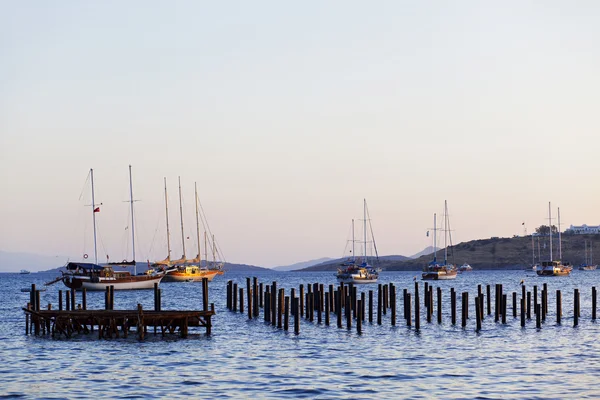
<point>94,216</point>
<point>445,232</point>
<point>205,250</point>
<point>132,222</point>
<point>214,250</point>
<point>353,257</point>
<point>434,239</point>
<point>532,250</point>
<point>365,228</point>
<point>181,217</point>
<point>550,226</point>
<point>197,226</point>
<point>167,218</point>
<point>559,237</point>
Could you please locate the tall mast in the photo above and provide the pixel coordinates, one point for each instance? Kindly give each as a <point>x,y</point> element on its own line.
<point>205,250</point>
<point>167,218</point>
<point>550,226</point>
<point>434,238</point>
<point>559,237</point>
<point>214,250</point>
<point>181,217</point>
<point>353,257</point>
<point>132,221</point>
<point>365,227</point>
<point>94,216</point>
<point>532,250</point>
<point>445,232</point>
<point>197,225</point>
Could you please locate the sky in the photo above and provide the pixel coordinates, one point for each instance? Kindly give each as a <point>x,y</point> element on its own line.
<point>288,115</point>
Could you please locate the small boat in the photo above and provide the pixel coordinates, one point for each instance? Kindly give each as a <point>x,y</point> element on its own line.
<point>554,267</point>
<point>465,268</point>
<point>354,271</point>
<point>92,276</point>
<point>434,270</point>
<point>588,264</point>
<point>24,272</point>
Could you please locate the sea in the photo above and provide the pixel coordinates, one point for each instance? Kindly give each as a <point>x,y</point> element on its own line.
<point>251,359</point>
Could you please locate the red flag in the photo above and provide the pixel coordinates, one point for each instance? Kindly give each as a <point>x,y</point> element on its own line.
<point>97,209</point>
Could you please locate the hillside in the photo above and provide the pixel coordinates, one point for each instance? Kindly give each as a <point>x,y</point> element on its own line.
<point>493,253</point>
<point>301,265</point>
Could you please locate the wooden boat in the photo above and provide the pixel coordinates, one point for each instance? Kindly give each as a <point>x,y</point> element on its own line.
<point>465,268</point>
<point>24,272</point>
<point>92,276</point>
<point>354,271</point>
<point>554,267</point>
<point>434,270</point>
<point>185,270</point>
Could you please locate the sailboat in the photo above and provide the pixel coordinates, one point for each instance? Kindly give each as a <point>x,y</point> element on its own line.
<point>355,271</point>
<point>187,270</point>
<point>434,270</point>
<point>92,276</point>
<point>588,264</point>
<point>554,267</point>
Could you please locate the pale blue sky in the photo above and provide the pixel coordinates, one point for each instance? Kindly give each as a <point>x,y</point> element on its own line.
<point>287,115</point>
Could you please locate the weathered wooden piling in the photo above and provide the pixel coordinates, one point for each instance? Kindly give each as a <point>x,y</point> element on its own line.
<point>538,316</point>
<point>465,305</point>
<point>241,300</point>
<point>73,299</point>
<point>543,307</point>
<point>301,297</point>
<point>363,297</point>
<point>576,307</point>
<point>385,299</point>
<point>255,298</point>
<point>408,310</point>
<point>359,316</point>
<point>528,305</point>
<point>348,313</point>
<point>522,312</point>
<point>489,300</point>
<point>273,305</point>
<point>266,308</point>
<point>453,305</point>
<point>60,301</point>
<point>370,306</point>
<point>504,309</point>
<point>249,297</point>
<point>594,296</point>
<point>430,304</point>
<point>339,308</point>
<point>558,306</point>
<point>417,312</point>
<point>68,300</point>
<point>234,298</point>
<point>392,290</point>
<point>260,298</point>
<point>327,307</point>
<point>286,320</point>
<point>514,304</point>
<point>477,314</point>
<point>535,298</point>
<point>545,301</point>
<point>379,304</point>
<point>280,307</point>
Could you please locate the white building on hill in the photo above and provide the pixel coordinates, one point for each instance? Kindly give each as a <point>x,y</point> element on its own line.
<point>584,229</point>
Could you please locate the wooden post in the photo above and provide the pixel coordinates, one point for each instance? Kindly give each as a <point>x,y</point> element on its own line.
<point>478,314</point>
<point>480,296</point>
<point>140,324</point>
<point>27,317</point>
<point>241,300</point>
<point>504,309</point>
<point>417,311</point>
<point>159,299</point>
<point>558,306</point>
<point>538,316</point>
<point>319,304</point>
<point>348,313</point>
<point>84,298</point>
<point>453,305</point>
<point>255,294</point>
<point>156,296</point>
<point>260,294</point>
<point>429,296</point>
<point>363,297</point>
<point>327,307</point>
<point>32,297</point>
<point>234,299</point>
<point>522,312</point>
<point>594,296</point>
<point>338,306</point>
<point>286,320</point>
<point>408,310</point>
<point>404,292</point>
<point>465,304</point>
<point>439,307</point>
<point>229,295</point>
<point>68,300</point>
<point>546,300</point>
<point>266,310</point>
<point>392,290</point>
<point>296,316</point>
<point>209,320</point>
<point>370,306</point>
<point>60,300</point>
<point>576,307</point>
<point>353,300</point>
<point>528,305</point>
<point>489,300</point>
<point>426,295</point>
<point>249,297</point>
<point>359,316</point>
<point>514,304</point>
<point>379,304</point>
<point>385,299</point>
<point>273,305</point>
<point>497,304</point>
<point>535,297</point>
<point>301,300</point>
<point>280,307</point>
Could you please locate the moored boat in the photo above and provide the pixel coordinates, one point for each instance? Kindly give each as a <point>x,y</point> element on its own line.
<point>434,270</point>
<point>554,267</point>
<point>588,264</point>
<point>354,271</point>
<point>465,268</point>
<point>24,272</point>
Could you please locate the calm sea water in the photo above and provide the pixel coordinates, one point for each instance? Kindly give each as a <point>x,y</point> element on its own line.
<point>244,359</point>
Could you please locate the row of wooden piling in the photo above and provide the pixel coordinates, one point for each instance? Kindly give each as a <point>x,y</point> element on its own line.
<point>345,303</point>
<point>75,317</point>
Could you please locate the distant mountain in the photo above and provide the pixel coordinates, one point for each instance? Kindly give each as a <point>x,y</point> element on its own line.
<point>424,252</point>
<point>14,262</point>
<point>301,265</point>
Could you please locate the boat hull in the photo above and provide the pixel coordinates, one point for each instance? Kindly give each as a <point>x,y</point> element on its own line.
<point>137,282</point>
<point>438,275</point>
<point>357,280</point>
<point>588,268</point>
<point>186,277</point>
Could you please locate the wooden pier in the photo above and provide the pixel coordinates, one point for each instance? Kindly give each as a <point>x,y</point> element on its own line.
<point>110,323</point>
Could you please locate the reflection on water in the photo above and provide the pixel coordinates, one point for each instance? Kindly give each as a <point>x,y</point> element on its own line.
<point>250,358</point>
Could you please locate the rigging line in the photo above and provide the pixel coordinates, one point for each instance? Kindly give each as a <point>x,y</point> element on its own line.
<point>101,240</point>
<point>151,249</point>
<point>84,185</point>
<point>372,236</point>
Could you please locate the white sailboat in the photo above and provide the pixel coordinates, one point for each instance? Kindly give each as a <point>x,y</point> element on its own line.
<point>588,264</point>
<point>92,276</point>
<point>554,267</point>
<point>434,270</point>
<point>355,271</point>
